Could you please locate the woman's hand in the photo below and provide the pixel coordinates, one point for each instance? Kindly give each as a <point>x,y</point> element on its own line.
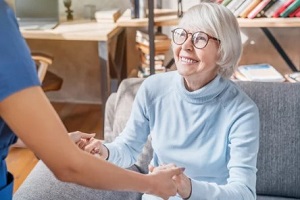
<point>81,139</point>
<point>96,147</point>
<point>88,143</point>
<point>184,186</point>
<point>164,181</point>
<point>78,136</point>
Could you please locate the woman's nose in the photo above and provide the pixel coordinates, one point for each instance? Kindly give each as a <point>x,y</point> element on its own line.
<point>188,45</point>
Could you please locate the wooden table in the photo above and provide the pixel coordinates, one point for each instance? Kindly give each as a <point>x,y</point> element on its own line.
<point>104,34</point>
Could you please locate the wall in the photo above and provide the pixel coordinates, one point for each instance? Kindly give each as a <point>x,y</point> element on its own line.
<point>78,6</point>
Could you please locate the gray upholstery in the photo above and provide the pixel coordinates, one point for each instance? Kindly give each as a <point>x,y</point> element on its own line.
<point>278,176</point>
<point>279,154</point>
<point>42,185</point>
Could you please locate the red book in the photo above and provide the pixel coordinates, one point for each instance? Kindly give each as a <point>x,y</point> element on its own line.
<point>282,8</point>
<point>293,14</point>
<point>297,14</point>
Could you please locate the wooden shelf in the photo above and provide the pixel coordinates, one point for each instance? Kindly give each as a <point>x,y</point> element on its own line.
<point>269,22</point>
<point>172,20</point>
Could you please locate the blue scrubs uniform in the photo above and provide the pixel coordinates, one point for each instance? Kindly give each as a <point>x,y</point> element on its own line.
<point>17,72</point>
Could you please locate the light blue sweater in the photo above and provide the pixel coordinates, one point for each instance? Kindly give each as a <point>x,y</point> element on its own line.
<point>212,132</point>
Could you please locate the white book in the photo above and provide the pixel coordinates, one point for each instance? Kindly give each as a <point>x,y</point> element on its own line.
<point>261,72</point>
<point>107,15</point>
<point>242,7</point>
<point>234,4</point>
<point>293,77</point>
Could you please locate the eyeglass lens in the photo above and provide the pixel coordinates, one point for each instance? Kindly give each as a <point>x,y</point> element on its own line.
<point>199,39</point>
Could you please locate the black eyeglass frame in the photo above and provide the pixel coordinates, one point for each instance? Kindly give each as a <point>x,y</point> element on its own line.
<point>192,34</point>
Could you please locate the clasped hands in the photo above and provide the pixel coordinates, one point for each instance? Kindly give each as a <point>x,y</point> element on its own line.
<point>88,143</point>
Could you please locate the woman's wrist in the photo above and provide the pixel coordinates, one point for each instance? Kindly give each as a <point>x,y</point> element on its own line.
<point>190,194</point>
<point>104,153</point>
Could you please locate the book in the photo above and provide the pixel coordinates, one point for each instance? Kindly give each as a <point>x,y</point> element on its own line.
<point>238,11</point>
<point>146,61</point>
<point>161,41</point>
<point>110,16</point>
<point>145,36</point>
<point>264,10</point>
<point>293,6</point>
<point>293,14</point>
<point>297,14</point>
<point>159,44</point>
<point>157,57</point>
<point>226,2</point>
<point>282,8</point>
<point>158,50</point>
<point>260,72</point>
<point>249,8</point>
<point>144,72</point>
<point>238,76</point>
<point>270,12</point>
<point>258,8</point>
<point>235,4</point>
<point>293,77</point>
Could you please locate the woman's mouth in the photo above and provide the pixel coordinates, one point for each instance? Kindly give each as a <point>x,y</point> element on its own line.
<point>187,60</point>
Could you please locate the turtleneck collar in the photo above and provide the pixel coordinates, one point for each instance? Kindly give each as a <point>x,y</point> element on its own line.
<point>207,93</point>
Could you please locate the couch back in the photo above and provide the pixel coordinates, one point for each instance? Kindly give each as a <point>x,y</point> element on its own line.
<point>279,153</point>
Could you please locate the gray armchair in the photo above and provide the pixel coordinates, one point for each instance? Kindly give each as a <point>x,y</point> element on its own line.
<point>278,176</point>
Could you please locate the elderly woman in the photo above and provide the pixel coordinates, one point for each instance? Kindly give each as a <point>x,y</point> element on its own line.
<point>199,119</point>
<point>26,112</point>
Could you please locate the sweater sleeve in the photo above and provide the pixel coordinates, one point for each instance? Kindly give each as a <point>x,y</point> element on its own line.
<point>243,142</point>
<point>125,149</point>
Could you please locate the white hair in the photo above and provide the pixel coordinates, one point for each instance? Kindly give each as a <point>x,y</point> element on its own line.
<point>217,21</point>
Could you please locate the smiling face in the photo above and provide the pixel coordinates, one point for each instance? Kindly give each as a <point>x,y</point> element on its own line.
<point>220,56</point>
<point>197,66</point>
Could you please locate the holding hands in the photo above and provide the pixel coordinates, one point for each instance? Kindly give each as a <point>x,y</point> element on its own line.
<point>166,180</point>
<point>183,183</point>
<point>88,143</point>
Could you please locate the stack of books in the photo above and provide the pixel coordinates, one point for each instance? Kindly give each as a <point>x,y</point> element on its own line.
<point>263,8</point>
<point>258,72</point>
<point>107,16</point>
<point>162,45</point>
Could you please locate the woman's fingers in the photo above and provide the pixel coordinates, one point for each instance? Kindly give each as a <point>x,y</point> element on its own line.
<point>93,147</point>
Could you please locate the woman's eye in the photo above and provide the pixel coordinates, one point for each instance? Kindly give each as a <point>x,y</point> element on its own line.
<point>182,34</point>
<point>200,38</point>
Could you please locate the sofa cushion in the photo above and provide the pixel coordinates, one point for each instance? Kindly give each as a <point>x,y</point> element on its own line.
<point>273,198</point>
<point>42,185</point>
<point>279,152</point>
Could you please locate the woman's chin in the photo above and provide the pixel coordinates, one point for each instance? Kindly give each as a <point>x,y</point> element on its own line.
<point>184,72</point>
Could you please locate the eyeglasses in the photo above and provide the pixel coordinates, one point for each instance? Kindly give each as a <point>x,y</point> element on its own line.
<point>199,39</point>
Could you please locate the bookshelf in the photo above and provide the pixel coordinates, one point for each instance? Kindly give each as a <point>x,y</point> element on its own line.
<point>168,17</point>
<point>172,20</point>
